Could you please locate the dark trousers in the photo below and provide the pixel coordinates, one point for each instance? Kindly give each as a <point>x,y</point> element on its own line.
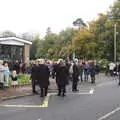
<point>86,76</point>
<point>61,89</point>
<point>33,85</point>
<point>81,76</point>
<point>92,78</point>
<point>44,91</point>
<point>74,86</point>
<point>119,78</point>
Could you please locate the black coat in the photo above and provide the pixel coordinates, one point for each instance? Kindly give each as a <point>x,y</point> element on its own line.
<point>119,68</point>
<point>43,75</point>
<point>35,72</point>
<point>75,73</point>
<point>62,75</point>
<point>16,67</point>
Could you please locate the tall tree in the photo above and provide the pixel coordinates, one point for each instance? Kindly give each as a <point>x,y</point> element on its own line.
<point>79,22</point>
<point>34,47</point>
<point>8,33</point>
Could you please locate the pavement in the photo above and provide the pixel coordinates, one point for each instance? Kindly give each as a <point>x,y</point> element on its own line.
<point>26,90</point>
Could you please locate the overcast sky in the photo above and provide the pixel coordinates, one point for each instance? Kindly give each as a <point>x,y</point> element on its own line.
<point>36,15</point>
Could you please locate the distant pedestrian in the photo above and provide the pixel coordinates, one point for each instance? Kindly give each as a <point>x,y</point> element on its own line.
<point>86,71</point>
<point>14,81</point>
<point>80,69</point>
<point>92,72</point>
<point>16,66</point>
<point>6,75</point>
<point>1,74</point>
<point>119,73</point>
<point>111,68</point>
<point>75,76</point>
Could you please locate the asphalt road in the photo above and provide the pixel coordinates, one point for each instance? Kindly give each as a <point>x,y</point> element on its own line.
<point>102,104</point>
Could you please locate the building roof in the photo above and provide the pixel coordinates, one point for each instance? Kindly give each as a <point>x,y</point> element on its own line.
<point>8,39</point>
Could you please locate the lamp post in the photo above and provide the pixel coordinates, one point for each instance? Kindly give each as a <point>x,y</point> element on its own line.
<point>115,33</point>
<point>116,11</point>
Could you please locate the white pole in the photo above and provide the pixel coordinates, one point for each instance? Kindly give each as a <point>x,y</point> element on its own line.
<point>115,43</point>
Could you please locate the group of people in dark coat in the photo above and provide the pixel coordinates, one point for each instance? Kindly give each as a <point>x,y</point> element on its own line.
<point>40,74</point>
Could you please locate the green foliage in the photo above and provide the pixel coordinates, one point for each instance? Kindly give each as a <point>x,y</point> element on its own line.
<point>92,41</point>
<point>24,79</point>
<point>104,63</point>
<point>8,33</point>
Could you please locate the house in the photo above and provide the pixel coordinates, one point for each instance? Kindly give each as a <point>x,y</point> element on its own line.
<point>13,48</point>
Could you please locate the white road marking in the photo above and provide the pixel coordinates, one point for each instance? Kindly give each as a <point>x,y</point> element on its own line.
<point>92,91</point>
<point>109,114</point>
<point>40,119</point>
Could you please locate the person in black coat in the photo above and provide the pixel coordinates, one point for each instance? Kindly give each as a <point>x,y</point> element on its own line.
<point>62,78</point>
<point>75,76</point>
<point>43,80</point>
<point>34,76</point>
<point>16,66</point>
<point>119,73</point>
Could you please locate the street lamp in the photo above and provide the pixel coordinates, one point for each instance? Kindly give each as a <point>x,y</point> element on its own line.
<point>115,53</point>
<point>115,33</point>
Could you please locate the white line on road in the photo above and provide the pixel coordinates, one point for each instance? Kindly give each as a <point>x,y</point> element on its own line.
<point>91,91</point>
<point>40,119</point>
<point>109,114</point>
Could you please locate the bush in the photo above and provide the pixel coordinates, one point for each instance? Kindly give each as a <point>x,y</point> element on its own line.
<point>24,79</point>
<point>104,63</point>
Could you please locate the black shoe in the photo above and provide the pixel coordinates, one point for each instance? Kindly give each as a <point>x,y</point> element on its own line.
<point>63,95</point>
<point>73,90</point>
<point>58,94</point>
<point>41,96</point>
<point>35,92</point>
<point>76,90</point>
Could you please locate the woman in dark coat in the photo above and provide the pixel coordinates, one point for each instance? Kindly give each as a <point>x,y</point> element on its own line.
<point>62,78</point>
<point>43,78</point>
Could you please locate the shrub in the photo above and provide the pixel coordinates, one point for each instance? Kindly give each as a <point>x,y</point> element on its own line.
<point>24,79</point>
